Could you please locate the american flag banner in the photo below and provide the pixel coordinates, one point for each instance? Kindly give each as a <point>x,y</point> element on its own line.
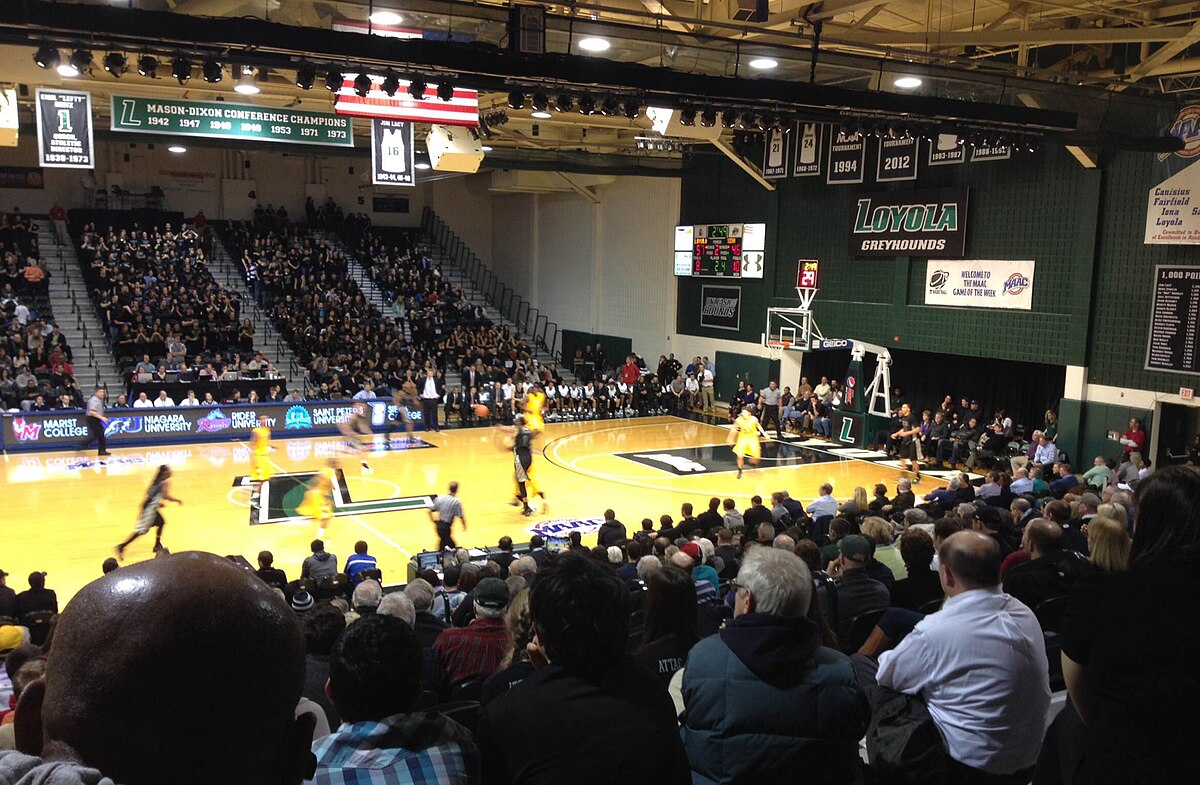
<point>387,31</point>
<point>462,109</point>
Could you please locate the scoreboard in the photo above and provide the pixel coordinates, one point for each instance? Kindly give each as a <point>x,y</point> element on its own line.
<point>720,250</point>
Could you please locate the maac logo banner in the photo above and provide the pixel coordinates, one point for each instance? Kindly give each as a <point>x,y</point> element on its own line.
<point>979,284</point>
<point>930,223</point>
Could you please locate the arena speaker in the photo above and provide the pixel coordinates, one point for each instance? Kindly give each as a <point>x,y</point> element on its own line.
<point>454,149</point>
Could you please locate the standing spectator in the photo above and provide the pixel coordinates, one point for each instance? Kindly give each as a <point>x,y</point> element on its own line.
<point>764,699</point>
<point>707,399</point>
<point>1134,438</point>
<point>769,398</point>
<point>474,652</point>
<point>374,682</point>
<point>361,560</point>
<point>58,216</point>
<point>320,564</point>
<point>37,598</point>
<point>432,393</point>
<point>588,688</point>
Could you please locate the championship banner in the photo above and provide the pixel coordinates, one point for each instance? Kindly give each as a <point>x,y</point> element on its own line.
<point>931,223</point>
<point>223,120</point>
<point>979,284</point>
<point>775,155</point>
<point>721,307</point>
<point>846,158</point>
<point>897,160</point>
<point>947,149</point>
<point>392,152</point>
<point>461,109</point>
<point>64,129</point>
<point>808,149</point>
<point>66,429</point>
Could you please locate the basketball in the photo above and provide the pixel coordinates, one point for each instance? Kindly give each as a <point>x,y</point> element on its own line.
<point>482,411</point>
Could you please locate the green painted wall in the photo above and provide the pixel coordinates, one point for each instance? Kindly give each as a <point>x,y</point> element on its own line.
<point>1042,206</point>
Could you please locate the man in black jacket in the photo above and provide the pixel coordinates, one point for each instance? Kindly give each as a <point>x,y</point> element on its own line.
<point>711,519</point>
<point>1047,574</point>
<point>37,597</point>
<point>612,531</point>
<point>586,687</point>
<point>756,513</point>
<point>8,598</point>
<point>857,592</point>
<point>431,391</point>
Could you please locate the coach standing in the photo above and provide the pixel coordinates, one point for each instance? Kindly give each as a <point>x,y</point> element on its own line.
<point>445,509</point>
<point>96,422</point>
<point>769,398</point>
<point>431,396</point>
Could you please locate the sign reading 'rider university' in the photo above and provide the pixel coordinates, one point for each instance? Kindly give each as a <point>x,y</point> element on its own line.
<point>931,223</point>
<point>223,120</point>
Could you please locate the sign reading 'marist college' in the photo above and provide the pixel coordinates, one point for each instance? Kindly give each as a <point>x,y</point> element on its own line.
<point>979,284</point>
<point>222,120</point>
<point>930,223</point>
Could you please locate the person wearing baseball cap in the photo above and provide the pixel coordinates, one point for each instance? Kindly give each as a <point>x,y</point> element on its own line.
<point>8,598</point>
<point>472,653</point>
<point>857,592</point>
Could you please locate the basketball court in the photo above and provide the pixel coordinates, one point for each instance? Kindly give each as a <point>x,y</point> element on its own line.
<point>65,511</point>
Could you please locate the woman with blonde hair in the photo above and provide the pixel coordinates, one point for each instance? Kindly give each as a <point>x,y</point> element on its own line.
<point>515,667</point>
<point>1108,540</point>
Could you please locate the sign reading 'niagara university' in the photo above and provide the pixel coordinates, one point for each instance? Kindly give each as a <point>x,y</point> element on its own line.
<point>930,223</point>
<point>222,120</point>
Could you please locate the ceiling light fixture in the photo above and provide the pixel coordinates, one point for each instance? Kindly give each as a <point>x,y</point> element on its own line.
<point>115,63</point>
<point>633,108</point>
<point>763,64</point>
<point>391,83</point>
<point>181,69</point>
<point>516,99</point>
<point>563,102</point>
<point>907,82</point>
<point>417,87</point>
<point>177,149</point>
<point>306,75</point>
<point>486,148</point>
<point>247,84</point>
<point>46,57</point>
<point>81,60</point>
<point>594,44</point>
<point>587,104</point>
<point>385,18</point>
<point>334,79</point>
<point>362,85</point>
<point>708,118</point>
<point>610,106</point>
<point>148,66</point>
<point>445,90</point>
<point>212,70</point>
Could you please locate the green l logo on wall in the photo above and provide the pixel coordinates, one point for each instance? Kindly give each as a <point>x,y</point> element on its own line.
<point>223,120</point>
<point>281,495</point>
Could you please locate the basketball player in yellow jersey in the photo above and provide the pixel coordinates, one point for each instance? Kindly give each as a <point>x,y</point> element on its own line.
<point>317,504</point>
<point>535,399</point>
<point>260,447</point>
<point>746,431</point>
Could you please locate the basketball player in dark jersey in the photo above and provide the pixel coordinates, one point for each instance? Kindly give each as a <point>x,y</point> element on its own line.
<point>522,447</point>
<point>357,431</point>
<point>150,517</point>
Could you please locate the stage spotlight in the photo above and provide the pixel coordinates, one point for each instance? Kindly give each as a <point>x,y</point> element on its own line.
<point>445,90</point>
<point>687,116</point>
<point>247,82</point>
<point>610,106</point>
<point>362,85</point>
<point>708,118</point>
<point>212,71</point>
<point>148,66</point>
<point>115,64</point>
<point>516,99</point>
<point>540,101</point>
<point>633,108</point>
<point>391,83</point>
<point>80,61</point>
<point>334,79</point>
<point>563,102</point>
<point>181,69</point>
<point>729,118</point>
<point>416,88</point>
<point>306,75</point>
<point>46,57</point>
<point>587,104</point>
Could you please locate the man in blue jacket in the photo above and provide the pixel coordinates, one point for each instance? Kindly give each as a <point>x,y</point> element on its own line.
<point>764,701</point>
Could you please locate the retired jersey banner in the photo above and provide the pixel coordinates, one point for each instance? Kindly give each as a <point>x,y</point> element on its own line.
<point>808,149</point>
<point>1173,210</point>
<point>846,158</point>
<point>930,222</point>
<point>990,153</point>
<point>461,109</point>
<point>979,284</point>
<point>897,160</point>
<point>721,307</point>
<point>947,149</point>
<point>775,155</point>
<point>392,152</point>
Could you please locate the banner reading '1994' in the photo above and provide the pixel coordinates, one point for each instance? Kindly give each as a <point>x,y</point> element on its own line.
<point>222,120</point>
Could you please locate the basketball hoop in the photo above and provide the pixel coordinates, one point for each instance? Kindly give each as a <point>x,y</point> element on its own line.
<point>775,349</point>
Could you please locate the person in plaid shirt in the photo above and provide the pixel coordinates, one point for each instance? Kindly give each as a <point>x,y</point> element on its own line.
<point>474,652</point>
<point>374,682</point>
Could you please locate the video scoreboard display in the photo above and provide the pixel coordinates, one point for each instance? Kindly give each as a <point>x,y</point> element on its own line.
<point>721,250</point>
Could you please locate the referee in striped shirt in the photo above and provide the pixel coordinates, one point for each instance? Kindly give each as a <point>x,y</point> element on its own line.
<point>445,509</point>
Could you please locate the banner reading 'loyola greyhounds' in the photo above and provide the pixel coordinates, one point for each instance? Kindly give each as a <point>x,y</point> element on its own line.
<point>930,223</point>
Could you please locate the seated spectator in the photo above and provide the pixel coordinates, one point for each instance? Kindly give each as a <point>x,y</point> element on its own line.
<point>8,598</point>
<point>90,718</point>
<point>374,684</point>
<point>942,499</point>
<point>516,665</point>
<point>1108,544</point>
<point>1067,481</point>
<point>824,505</point>
<point>757,513</point>
<point>839,527</point>
<point>474,652</point>
<point>366,597</point>
<point>1046,574</point>
<point>272,575</point>
<point>449,595</point>
<point>921,584</point>
<point>588,689</point>
<point>670,622</point>
<point>764,699</point>
<point>706,589</point>
<point>904,499</point>
<point>857,592</point>
<point>361,560</point>
<point>731,519</point>
<point>320,564</point>
<point>37,598</point>
<point>612,531</point>
<point>711,519</point>
<point>980,665</point>
<point>323,625</point>
<point>990,521</point>
<point>880,533</point>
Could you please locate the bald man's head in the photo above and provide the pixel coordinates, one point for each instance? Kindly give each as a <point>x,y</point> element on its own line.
<point>183,670</point>
<point>1042,537</point>
<point>969,560</point>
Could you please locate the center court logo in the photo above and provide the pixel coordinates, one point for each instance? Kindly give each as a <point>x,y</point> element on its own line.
<point>297,417</point>
<point>1016,284</point>
<point>213,422</point>
<point>561,527</point>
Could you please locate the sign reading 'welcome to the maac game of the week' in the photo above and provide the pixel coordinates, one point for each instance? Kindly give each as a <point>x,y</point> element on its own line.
<point>221,120</point>
<point>980,284</point>
<point>930,223</point>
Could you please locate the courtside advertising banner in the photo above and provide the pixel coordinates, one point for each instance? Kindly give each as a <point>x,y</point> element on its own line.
<point>61,430</point>
<point>721,307</point>
<point>64,129</point>
<point>392,152</point>
<point>930,222</point>
<point>979,284</point>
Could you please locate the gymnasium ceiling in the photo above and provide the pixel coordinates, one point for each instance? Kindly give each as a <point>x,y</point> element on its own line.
<point>1016,56</point>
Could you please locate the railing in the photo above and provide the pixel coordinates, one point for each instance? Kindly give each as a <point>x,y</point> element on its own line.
<point>512,306</point>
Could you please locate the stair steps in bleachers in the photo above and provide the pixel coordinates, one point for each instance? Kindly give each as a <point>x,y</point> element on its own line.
<point>374,294</point>
<point>76,315</point>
